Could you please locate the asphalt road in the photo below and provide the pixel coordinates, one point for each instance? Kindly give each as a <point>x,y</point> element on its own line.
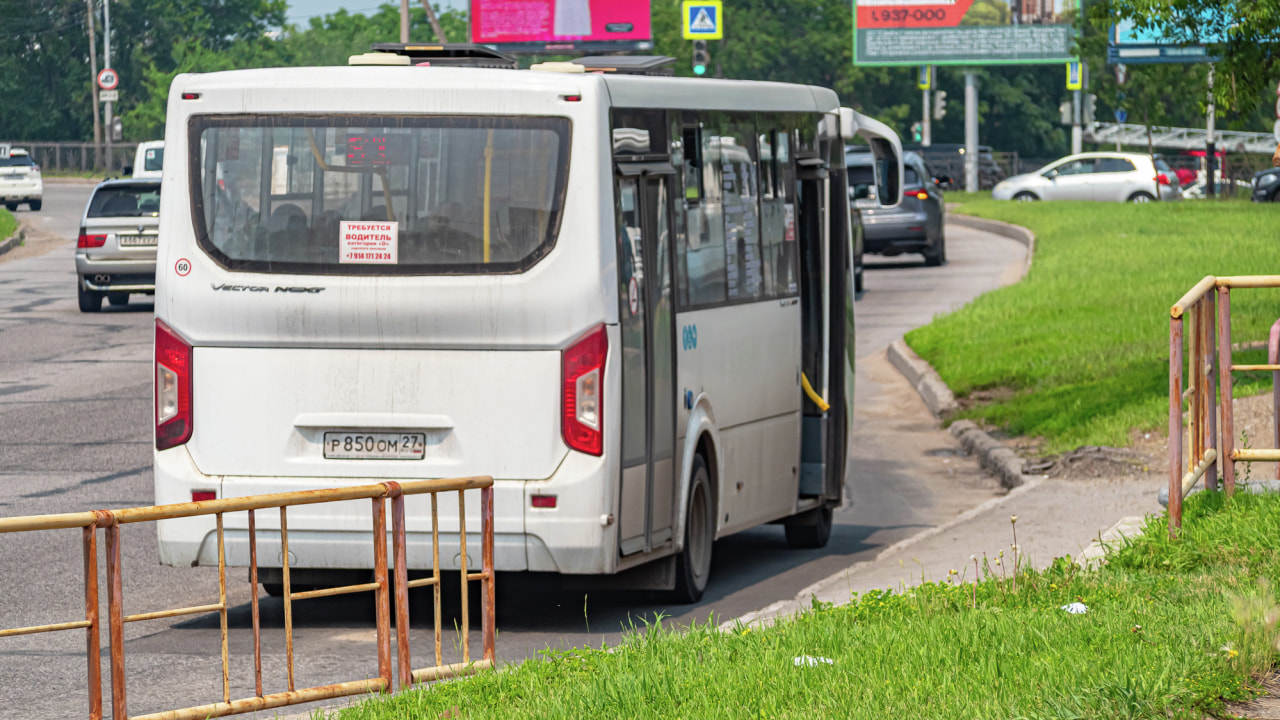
<point>75,434</point>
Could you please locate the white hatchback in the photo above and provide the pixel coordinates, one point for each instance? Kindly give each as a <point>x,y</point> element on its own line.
<point>1104,176</point>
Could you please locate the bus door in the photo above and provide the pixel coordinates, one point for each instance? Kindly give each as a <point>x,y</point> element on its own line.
<point>648,356</point>
<point>814,302</point>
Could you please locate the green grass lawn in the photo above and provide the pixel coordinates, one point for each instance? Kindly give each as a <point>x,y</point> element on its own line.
<point>1171,631</point>
<point>1077,352</point>
<point>8,224</point>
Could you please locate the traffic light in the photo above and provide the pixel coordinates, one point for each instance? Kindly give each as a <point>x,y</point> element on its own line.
<point>701,58</point>
<point>939,104</point>
<point>1064,112</point>
<point>1090,109</point>
<point>917,132</point>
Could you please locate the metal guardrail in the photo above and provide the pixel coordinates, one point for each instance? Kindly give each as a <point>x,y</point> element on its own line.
<point>1180,138</point>
<point>1207,362</point>
<point>83,156</point>
<point>111,520</point>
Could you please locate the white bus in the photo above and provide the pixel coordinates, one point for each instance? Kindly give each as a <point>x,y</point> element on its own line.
<point>605,289</point>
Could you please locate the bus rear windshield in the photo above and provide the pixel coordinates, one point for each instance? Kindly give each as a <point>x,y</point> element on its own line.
<point>346,195</point>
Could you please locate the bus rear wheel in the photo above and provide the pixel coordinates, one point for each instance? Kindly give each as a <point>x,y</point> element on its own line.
<point>693,565</point>
<point>812,529</point>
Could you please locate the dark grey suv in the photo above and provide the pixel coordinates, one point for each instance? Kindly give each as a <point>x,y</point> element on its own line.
<point>916,225</point>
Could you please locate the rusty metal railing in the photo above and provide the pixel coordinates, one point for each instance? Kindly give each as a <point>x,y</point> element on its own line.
<point>110,522</point>
<point>1201,321</point>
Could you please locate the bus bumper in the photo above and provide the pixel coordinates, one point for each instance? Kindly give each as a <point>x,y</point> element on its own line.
<point>571,538</point>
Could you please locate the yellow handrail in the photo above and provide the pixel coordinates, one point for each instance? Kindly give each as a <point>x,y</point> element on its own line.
<point>814,396</point>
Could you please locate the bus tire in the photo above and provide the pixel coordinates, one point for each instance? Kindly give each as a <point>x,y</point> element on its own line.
<point>693,564</point>
<point>814,531</point>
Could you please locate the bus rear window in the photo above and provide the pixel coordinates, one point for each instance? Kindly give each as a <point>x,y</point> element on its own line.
<point>347,195</point>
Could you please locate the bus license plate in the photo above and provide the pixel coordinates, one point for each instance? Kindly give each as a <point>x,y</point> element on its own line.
<point>374,446</point>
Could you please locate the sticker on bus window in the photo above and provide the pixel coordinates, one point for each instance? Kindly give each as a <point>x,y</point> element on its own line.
<point>789,234</point>
<point>370,243</point>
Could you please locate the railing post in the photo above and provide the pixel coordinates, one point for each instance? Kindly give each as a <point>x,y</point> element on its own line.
<point>382,598</point>
<point>93,638</point>
<point>1175,426</point>
<point>401,557</point>
<point>487,604</point>
<point>1273,358</point>
<point>1211,384</point>
<point>115,620</point>
<point>1226,409</point>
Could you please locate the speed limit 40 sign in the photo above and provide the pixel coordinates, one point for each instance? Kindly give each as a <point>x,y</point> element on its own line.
<point>108,79</point>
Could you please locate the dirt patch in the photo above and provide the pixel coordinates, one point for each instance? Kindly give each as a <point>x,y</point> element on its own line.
<point>1265,707</point>
<point>985,397</point>
<point>35,244</point>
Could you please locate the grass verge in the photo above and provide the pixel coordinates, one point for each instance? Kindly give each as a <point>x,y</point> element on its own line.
<point>1172,630</point>
<point>8,224</point>
<point>1077,352</point>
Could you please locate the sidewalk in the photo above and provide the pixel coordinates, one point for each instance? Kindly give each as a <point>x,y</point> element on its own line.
<point>1056,517</point>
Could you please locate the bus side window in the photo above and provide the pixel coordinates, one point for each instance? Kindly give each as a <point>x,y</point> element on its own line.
<point>692,165</point>
<point>744,260</point>
<point>704,229</point>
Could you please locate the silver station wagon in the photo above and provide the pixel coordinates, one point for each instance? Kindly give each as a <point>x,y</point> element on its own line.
<point>116,249</point>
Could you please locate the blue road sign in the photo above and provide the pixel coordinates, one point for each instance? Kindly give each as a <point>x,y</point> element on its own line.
<point>1121,115</point>
<point>703,19</point>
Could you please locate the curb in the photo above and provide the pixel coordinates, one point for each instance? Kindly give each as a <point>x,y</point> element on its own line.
<point>1095,554</point>
<point>13,242</point>
<point>922,376</point>
<point>71,181</point>
<point>1016,233</point>
<point>991,453</point>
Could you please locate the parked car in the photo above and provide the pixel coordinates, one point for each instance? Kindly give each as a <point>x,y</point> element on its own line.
<point>20,180</point>
<point>947,159</point>
<point>1105,176</point>
<point>148,161</point>
<point>116,250</point>
<point>915,225</point>
<point>1266,185</point>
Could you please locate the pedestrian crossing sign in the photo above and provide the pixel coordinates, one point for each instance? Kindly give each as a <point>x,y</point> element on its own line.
<point>703,19</point>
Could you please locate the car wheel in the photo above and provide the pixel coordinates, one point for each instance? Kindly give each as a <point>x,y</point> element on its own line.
<point>693,565</point>
<point>1141,197</point>
<point>937,255</point>
<point>1026,197</point>
<point>11,207</point>
<point>90,300</point>
<point>35,205</point>
<point>814,531</point>
<point>118,299</point>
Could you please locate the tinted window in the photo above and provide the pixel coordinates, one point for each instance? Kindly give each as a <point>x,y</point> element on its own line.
<point>126,201</point>
<point>1078,167</point>
<point>1106,165</point>
<point>861,176</point>
<point>378,195</point>
<point>16,161</point>
<point>910,176</point>
<point>153,160</point>
<point>743,257</point>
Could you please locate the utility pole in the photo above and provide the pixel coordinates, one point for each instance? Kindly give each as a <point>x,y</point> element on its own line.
<point>404,21</point>
<point>93,84</point>
<point>106,65</point>
<point>1210,156</point>
<point>1077,117</point>
<point>970,131</point>
<point>925,83</point>
<point>435,22</point>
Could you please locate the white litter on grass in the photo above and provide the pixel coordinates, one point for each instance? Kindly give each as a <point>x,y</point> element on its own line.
<point>1076,608</point>
<point>812,661</point>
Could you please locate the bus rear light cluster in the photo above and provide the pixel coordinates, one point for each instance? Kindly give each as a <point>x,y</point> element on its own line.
<point>173,388</point>
<point>583,408</point>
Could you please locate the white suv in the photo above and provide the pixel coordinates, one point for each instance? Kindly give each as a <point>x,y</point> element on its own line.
<point>1106,176</point>
<point>19,179</point>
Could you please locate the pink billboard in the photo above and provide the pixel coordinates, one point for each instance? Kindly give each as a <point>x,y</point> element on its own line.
<point>575,23</point>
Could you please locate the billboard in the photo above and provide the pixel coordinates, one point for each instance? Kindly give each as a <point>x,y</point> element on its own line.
<point>558,26</point>
<point>1130,45</point>
<point>963,32</point>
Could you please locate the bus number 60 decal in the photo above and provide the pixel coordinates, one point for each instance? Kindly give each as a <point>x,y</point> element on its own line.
<point>689,336</point>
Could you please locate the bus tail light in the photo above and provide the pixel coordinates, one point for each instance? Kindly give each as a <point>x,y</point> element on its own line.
<point>583,378</point>
<point>173,388</point>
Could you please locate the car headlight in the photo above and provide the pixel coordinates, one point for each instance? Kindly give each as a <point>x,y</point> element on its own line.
<point>1268,179</point>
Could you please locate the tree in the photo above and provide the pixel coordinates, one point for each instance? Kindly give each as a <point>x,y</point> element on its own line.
<point>1244,33</point>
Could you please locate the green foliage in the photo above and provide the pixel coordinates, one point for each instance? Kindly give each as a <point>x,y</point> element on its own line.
<point>1249,30</point>
<point>1079,348</point>
<point>8,224</point>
